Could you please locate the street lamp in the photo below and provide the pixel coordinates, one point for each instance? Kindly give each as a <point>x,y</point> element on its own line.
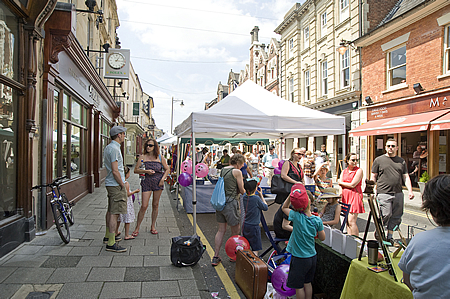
<point>171,119</point>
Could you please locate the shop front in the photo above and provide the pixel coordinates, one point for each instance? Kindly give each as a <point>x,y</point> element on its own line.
<point>80,112</point>
<point>420,124</point>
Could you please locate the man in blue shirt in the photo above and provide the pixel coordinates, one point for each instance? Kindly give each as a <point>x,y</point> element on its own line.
<point>267,162</point>
<point>115,185</point>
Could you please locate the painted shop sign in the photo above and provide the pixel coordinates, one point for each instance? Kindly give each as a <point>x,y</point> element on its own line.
<point>409,107</point>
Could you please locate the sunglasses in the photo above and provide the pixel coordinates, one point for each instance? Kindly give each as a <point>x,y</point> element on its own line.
<point>354,160</point>
<point>299,154</point>
<point>390,145</point>
<point>150,145</point>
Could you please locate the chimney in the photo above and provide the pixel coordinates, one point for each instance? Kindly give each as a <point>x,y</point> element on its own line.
<point>254,34</point>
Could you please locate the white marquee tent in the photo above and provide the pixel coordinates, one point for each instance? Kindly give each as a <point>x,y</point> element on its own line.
<point>251,111</point>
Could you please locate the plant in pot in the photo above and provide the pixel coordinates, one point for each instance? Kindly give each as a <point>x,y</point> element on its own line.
<point>425,177</point>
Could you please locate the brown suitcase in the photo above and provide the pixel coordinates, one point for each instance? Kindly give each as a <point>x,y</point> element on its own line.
<point>251,274</point>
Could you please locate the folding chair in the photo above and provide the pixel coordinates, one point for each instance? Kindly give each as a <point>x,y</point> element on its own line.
<point>273,240</point>
<point>345,209</point>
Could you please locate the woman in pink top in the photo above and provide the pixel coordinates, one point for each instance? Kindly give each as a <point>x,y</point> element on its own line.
<point>350,182</point>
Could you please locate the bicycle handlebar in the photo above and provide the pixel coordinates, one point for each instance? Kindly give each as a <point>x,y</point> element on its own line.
<point>55,183</point>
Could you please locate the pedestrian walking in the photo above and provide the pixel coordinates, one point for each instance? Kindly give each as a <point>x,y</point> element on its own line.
<point>389,171</point>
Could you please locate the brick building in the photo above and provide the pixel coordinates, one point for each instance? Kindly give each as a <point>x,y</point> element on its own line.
<point>405,86</point>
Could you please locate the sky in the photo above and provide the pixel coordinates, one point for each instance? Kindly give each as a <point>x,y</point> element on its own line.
<point>183,49</point>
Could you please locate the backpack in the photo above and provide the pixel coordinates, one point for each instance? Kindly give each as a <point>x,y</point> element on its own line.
<point>186,251</point>
<point>218,199</point>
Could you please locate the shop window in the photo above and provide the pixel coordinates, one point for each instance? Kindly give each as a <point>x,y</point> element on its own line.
<point>324,78</point>
<point>306,38</point>
<point>9,45</point>
<point>447,50</point>
<point>307,87</point>
<point>397,66</point>
<point>345,69</point>
<point>73,138</point>
<point>55,133</point>
<point>104,139</point>
<point>343,10</point>
<point>323,24</point>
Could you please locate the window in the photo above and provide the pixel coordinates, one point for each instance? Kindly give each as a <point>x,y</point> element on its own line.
<point>323,24</point>
<point>70,145</point>
<point>291,46</point>
<point>105,138</point>
<point>291,89</point>
<point>447,50</point>
<point>343,9</point>
<point>306,38</point>
<point>10,41</point>
<point>307,87</point>
<point>345,69</point>
<point>324,78</point>
<point>397,66</point>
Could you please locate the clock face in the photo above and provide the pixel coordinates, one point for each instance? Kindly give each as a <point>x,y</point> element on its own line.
<point>116,60</point>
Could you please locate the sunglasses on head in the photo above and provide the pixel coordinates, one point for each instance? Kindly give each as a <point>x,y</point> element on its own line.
<point>390,145</point>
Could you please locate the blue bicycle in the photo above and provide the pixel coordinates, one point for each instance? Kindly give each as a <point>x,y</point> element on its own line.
<point>61,208</point>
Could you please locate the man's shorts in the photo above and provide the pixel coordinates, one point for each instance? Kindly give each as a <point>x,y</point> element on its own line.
<point>117,199</point>
<point>229,214</point>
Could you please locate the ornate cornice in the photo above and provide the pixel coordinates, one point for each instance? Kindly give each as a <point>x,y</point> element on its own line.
<point>335,101</point>
<point>58,44</point>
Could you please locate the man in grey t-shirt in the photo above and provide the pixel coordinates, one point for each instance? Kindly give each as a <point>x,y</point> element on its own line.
<point>389,171</point>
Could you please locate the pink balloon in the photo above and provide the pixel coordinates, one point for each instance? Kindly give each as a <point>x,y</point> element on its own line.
<point>277,171</point>
<point>234,244</point>
<point>186,166</point>
<point>185,179</point>
<point>275,162</point>
<point>201,170</point>
<point>280,164</point>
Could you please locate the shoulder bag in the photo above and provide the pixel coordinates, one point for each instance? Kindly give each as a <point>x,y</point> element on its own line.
<point>280,186</point>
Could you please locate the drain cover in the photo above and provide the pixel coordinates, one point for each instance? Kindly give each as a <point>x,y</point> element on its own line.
<point>39,295</point>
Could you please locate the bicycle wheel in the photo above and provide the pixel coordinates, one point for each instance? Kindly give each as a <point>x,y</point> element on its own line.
<point>61,224</point>
<point>68,209</point>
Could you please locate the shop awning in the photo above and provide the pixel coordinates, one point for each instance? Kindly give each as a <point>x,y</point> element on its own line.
<point>442,123</point>
<point>400,124</point>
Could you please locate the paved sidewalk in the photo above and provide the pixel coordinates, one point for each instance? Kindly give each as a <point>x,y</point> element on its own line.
<point>83,269</point>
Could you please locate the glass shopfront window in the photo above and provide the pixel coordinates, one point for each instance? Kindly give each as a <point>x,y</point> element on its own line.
<point>55,133</point>
<point>105,138</point>
<point>8,109</point>
<point>74,137</point>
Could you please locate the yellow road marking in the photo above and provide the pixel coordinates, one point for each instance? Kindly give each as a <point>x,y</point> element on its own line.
<point>221,272</point>
<point>416,213</point>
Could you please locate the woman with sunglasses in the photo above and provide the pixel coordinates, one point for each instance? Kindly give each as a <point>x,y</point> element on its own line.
<point>156,170</point>
<point>291,172</point>
<point>350,182</point>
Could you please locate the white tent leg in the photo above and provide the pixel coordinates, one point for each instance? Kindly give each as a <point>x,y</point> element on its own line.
<point>194,183</point>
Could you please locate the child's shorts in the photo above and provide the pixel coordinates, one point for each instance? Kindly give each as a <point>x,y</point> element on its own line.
<point>301,271</point>
<point>253,235</point>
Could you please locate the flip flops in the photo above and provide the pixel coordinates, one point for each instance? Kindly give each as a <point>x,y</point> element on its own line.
<point>135,234</point>
<point>154,231</point>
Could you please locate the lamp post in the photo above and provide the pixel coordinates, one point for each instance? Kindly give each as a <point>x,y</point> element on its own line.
<point>171,118</point>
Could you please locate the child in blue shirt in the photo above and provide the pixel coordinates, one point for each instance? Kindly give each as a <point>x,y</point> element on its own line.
<point>253,205</point>
<point>301,243</point>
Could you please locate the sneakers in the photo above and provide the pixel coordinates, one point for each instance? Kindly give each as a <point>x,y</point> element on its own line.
<point>105,239</point>
<point>115,248</point>
<point>215,261</point>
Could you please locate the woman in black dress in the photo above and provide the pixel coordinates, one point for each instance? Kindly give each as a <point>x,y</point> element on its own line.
<point>156,170</point>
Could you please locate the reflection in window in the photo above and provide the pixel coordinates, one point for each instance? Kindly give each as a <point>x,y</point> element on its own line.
<point>76,112</point>
<point>397,66</point>
<point>55,133</point>
<point>8,104</point>
<point>64,147</point>
<point>105,139</point>
<point>75,150</point>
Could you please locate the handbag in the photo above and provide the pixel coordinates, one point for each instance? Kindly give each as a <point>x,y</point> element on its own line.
<point>186,250</point>
<point>280,186</point>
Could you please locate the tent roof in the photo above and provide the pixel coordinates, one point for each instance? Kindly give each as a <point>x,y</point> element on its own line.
<point>223,141</point>
<point>164,137</point>
<point>169,141</point>
<point>251,111</point>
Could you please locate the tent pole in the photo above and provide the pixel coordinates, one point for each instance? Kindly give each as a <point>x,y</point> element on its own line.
<point>194,182</point>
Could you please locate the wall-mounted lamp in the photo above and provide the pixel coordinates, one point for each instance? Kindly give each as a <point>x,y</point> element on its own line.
<point>91,5</point>
<point>368,101</point>
<point>124,93</point>
<point>343,47</point>
<point>418,88</point>
<point>120,83</point>
<point>104,46</point>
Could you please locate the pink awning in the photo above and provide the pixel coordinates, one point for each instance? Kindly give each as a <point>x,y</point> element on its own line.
<point>442,123</point>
